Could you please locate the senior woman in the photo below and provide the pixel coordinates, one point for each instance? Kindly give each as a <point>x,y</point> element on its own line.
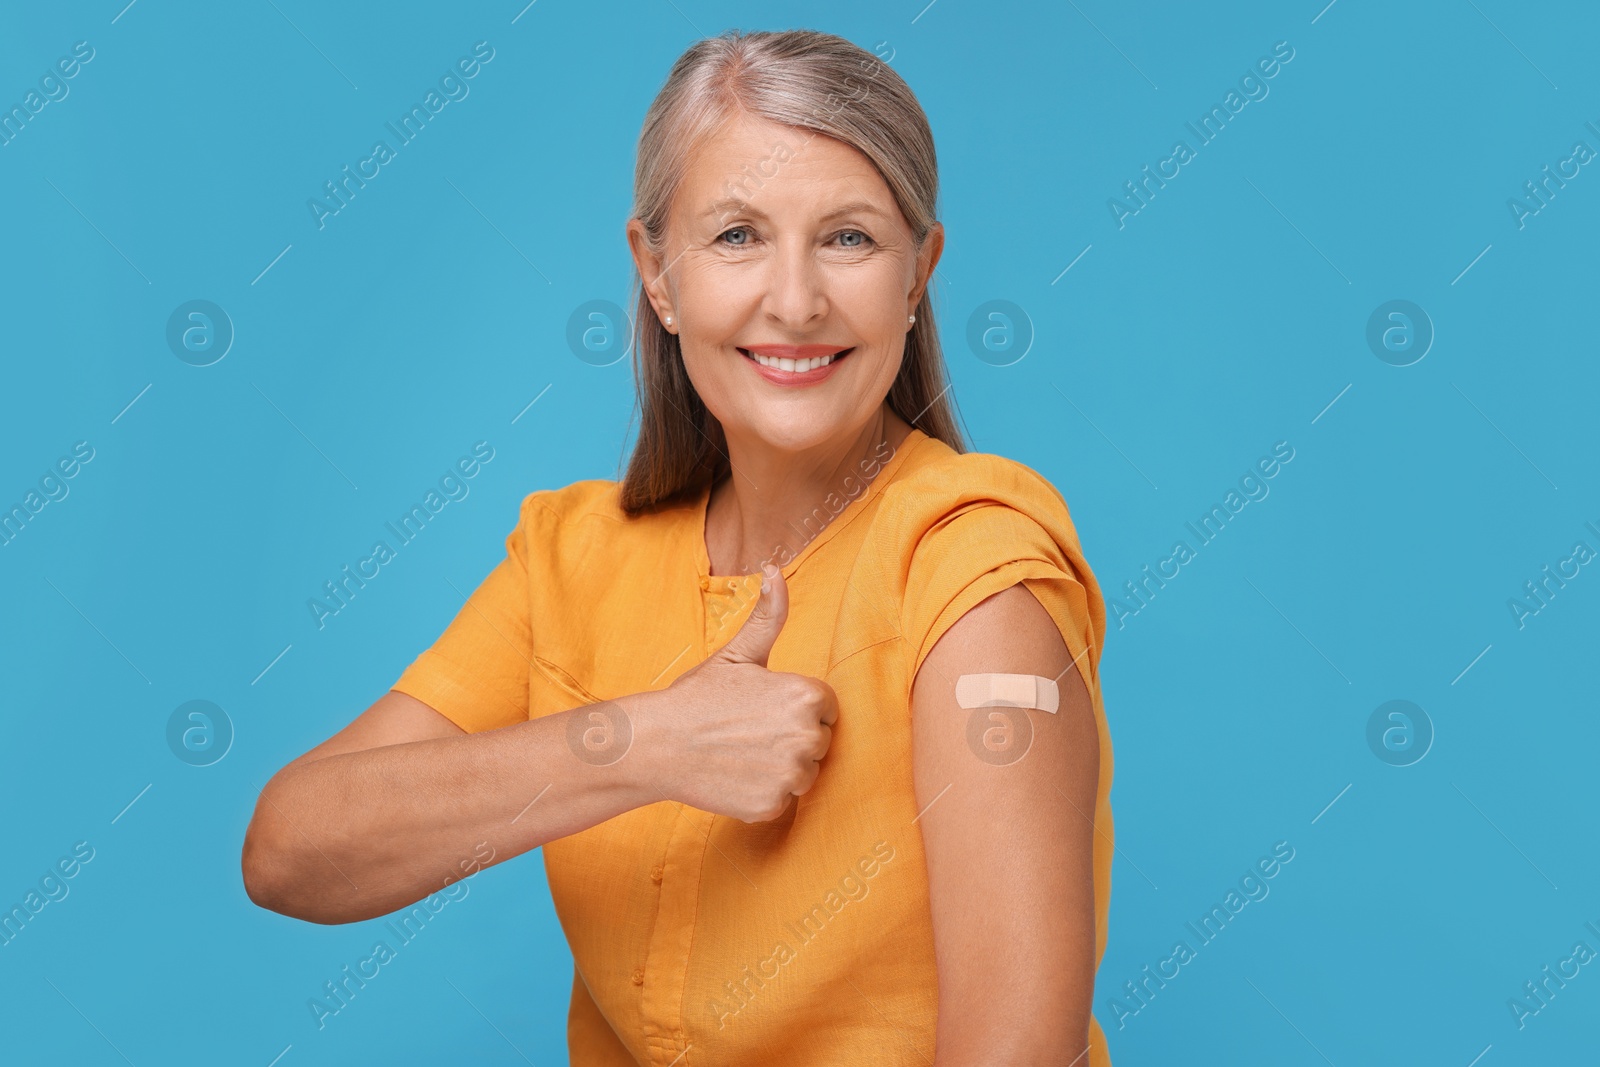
<point>804,709</point>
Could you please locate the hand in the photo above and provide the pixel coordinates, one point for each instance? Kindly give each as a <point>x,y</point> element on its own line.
<point>730,736</point>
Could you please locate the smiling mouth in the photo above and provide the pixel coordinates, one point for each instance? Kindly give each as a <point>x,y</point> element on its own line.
<point>794,366</point>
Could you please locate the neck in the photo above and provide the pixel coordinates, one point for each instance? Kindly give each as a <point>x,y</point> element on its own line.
<point>775,503</point>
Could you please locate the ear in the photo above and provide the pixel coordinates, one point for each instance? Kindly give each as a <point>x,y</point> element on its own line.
<point>651,272</point>
<point>927,259</point>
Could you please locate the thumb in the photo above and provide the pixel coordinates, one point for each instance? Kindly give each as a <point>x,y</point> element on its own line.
<point>754,641</point>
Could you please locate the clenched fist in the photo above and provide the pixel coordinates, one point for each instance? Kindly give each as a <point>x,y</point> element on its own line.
<point>732,737</point>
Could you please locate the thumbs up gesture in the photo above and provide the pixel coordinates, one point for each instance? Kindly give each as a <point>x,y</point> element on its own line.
<point>732,737</point>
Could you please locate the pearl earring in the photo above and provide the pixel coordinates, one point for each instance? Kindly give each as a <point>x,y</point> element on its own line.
<point>911,320</point>
<point>666,320</point>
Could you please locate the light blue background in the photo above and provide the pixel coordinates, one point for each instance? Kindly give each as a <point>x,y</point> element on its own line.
<point>1222,318</point>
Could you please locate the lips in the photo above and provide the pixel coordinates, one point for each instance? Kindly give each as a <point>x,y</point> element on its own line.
<point>795,359</point>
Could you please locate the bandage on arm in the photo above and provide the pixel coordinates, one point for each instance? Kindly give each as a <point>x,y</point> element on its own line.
<point>1007,691</point>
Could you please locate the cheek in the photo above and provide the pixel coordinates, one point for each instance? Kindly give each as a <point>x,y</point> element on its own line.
<point>873,303</point>
<point>875,291</point>
<point>711,374</point>
<point>713,313</point>
<point>715,302</point>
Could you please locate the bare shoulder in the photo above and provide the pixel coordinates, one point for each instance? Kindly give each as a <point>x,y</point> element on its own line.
<point>1010,626</point>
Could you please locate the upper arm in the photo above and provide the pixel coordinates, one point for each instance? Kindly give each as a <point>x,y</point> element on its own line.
<point>393,719</point>
<point>1007,798</point>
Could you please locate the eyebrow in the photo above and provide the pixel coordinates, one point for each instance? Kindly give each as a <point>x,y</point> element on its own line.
<point>735,206</point>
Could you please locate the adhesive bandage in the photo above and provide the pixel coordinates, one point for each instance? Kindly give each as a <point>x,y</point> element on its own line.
<point>1007,691</point>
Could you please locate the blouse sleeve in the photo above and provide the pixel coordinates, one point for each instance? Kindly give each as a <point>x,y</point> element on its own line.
<point>974,544</point>
<point>476,673</point>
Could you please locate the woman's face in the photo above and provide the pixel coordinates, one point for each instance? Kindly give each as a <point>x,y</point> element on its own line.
<point>786,244</point>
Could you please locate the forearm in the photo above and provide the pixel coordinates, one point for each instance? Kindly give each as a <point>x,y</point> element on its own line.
<point>360,834</point>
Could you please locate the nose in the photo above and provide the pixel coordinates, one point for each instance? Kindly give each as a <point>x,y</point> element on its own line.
<point>796,297</point>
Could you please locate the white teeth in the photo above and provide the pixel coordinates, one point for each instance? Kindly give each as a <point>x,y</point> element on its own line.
<point>796,366</point>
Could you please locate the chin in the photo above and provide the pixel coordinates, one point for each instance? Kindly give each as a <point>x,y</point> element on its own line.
<point>789,432</point>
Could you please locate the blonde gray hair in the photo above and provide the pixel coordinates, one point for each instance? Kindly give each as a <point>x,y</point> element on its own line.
<point>810,81</point>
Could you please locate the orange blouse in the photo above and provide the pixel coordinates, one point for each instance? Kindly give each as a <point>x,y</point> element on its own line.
<point>699,939</point>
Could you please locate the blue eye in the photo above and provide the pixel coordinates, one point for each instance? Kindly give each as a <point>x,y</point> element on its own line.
<point>736,229</point>
<point>854,233</point>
